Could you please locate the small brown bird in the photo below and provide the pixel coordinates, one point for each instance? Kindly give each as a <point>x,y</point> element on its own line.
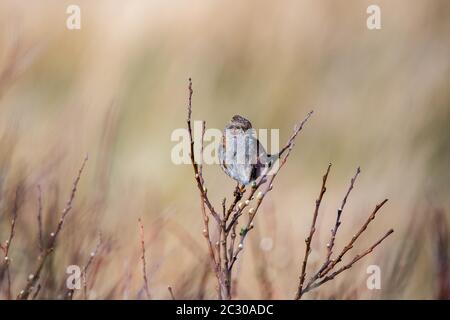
<point>241,155</point>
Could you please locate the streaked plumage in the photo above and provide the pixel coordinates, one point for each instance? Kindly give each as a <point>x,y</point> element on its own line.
<point>241,155</point>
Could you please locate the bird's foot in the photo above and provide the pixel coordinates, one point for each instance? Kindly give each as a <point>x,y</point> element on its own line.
<point>240,190</point>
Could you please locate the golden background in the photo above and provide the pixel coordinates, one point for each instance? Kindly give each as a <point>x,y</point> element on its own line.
<point>117,88</point>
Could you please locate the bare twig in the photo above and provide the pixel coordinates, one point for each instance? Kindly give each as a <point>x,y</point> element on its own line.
<point>39,219</point>
<point>204,201</point>
<point>144,265</point>
<point>70,292</point>
<point>237,197</point>
<point>353,240</point>
<point>36,292</point>
<point>88,264</point>
<point>171,292</point>
<point>311,232</point>
<point>321,276</point>
<point>34,277</point>
<point>198,176</point>
<point>337,224</point>
<point>7,245</point>
<point>349,265</point>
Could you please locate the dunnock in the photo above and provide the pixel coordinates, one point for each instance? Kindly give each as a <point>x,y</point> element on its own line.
<point>241,155</point>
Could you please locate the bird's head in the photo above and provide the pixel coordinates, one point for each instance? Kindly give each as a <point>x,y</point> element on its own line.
<point>239,122</point>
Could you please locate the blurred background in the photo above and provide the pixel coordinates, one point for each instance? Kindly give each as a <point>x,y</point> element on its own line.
<point>117,88</point>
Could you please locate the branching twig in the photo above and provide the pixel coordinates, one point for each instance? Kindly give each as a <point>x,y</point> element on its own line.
<point>144,264</point>
<point>353,240</point>
<point>224,254</point>
<point>88,264</point>
<point>70,292</point>
<point>337,224</point>
<point>7,245</point>
<point>311,232</point>
<point>204,201</point>
<point>34,277</point>
<point>349,265</point>
<point>198,174</point>
<point>39,219</point>
<point>321,276</point>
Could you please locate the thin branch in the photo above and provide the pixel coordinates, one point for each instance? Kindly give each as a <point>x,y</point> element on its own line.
<point>70,293</point>
<point>308,240</point>
<point>171,292</point>
<point>233,240</point>
<point>204,201</point>
<point>297,130</point>
<point>337,224</point>
<point>197,173</point>
<point>88,264</point>
<point>314,282</point>
<point>36,292</point>
<point>39,219</point>
<point>34,277</point>
<point>7,246</point>
<point>237,197</point>
<point>200,166</point>
<point>226,272</point>
<point>144,264</point>
<point>353,240</point>
<point>349,265</point>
